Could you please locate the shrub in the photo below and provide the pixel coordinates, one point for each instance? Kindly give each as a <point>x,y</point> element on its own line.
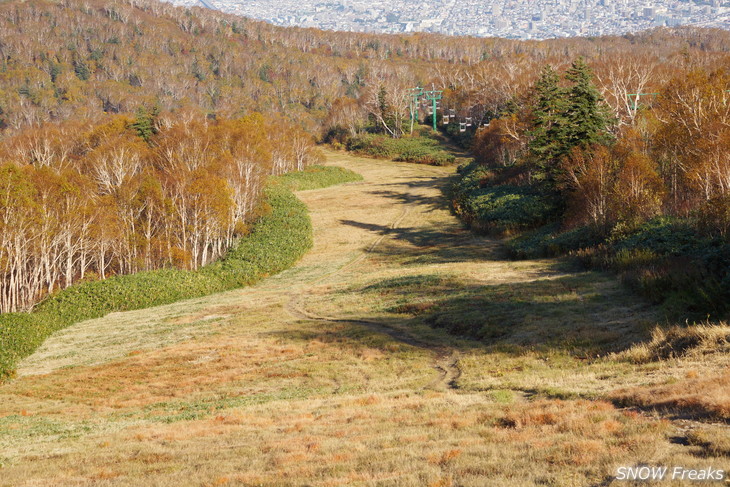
<point>681,264</point>
<point>667,261</point>
<point>277,240</point>
<point>316,177</point>
<point>550,241</point>
<point>419,149</point>
<point>500,209</point>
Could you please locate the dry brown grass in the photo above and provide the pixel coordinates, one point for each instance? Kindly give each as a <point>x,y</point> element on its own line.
<point>359,442</point>
<point>700,389</point>
<point>681,343</point>
<point>707,397</point>
<point>237,389</point>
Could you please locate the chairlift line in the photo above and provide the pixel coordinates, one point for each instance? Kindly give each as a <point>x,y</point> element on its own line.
<point>418,96</point>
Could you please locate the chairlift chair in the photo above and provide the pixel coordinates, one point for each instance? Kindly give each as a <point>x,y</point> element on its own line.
<point>468,121</point>
<point>462,126</point>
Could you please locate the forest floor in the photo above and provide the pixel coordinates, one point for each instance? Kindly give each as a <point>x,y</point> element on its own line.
<point>352,368</point>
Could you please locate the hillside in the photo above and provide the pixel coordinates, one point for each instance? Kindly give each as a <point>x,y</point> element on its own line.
<point>67,60</point>
<point>185,302</point>
<point>352,369</point>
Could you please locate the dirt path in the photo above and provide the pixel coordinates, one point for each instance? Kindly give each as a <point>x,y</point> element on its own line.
<point>339,371</point>
<point>445,360</point>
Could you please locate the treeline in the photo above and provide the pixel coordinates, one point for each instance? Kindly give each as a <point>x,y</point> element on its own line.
<point>87,201</point>
<point>68,61</point>
<point>277,240</point>
<point>647,195</point>
<point>86,196</point>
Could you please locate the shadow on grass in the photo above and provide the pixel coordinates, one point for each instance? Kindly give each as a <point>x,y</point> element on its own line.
<point>449,242</point>
<point>586,314</point>
<point>438,201</point>
<point>430,245</point>
<point>428,202</point>
<point>554,308</point>
<point>388,334</point>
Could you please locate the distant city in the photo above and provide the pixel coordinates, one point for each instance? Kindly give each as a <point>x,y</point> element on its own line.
<point>519,19</point>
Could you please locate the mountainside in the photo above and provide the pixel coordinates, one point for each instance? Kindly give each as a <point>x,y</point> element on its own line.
<point>353,368</point>
<point>61,60</point>
<point>184,303</point>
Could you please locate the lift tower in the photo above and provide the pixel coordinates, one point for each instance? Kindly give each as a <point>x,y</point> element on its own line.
<point>433,96</point>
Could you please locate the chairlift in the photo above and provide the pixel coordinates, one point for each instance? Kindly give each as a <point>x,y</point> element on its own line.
<point>462,126</point>
<point>468,121</point>
<point>452,113</point>
<point>446,119</point>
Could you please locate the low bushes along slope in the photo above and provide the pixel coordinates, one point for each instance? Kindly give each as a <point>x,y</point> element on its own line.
<point>276,242</point>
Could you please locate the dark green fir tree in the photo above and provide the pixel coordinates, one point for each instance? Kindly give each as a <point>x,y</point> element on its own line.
<point>145,120</point>
<point>548,124</point>
<point>587,116</point>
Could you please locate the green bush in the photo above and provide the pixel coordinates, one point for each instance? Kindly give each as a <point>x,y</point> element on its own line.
<point>670,261</point>
<point>499,209</point>
<point>316,177</point>
<point>550,241</point>
<point>419,149</point>
<point>276,242</point>
<point>663,236</point>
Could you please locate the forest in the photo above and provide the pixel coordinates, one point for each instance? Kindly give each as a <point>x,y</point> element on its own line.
<point>131,137</point>
<point>645,194</point>
<point>126,195</point>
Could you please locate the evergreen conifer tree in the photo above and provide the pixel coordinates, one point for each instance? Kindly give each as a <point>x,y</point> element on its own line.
<point>548,124</point>
<point>564,119</point>
<point>144,123</point>
<point>586,116</point>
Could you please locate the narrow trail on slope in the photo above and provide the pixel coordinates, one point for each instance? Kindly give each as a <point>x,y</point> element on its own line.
<point>446,362</point>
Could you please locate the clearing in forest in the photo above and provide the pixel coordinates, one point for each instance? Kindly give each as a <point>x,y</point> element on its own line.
<point>402,350</point>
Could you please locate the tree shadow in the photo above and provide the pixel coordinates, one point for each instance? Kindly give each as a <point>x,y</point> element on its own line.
<point>586,314</point>
<point>431,246</point>
<point>437,201</point>
<point>429,202</point>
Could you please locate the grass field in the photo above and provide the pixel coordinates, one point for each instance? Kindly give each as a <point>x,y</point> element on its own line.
<point>402,350</point>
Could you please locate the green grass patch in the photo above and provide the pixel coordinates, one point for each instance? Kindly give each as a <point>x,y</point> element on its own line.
<point>277,241</point>
<point>503,396</point>
<point>420,149</point>
<point>172,412</point>
<point>316,177</point>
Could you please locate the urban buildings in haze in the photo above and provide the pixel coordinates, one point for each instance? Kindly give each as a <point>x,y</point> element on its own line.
<point>523,19</point>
